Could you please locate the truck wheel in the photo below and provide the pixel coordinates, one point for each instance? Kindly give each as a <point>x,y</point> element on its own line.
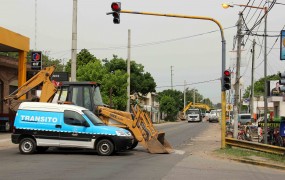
<point>27,146</point>
<point>105,147</point>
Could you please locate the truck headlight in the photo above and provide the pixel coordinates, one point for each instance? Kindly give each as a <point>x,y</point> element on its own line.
<point>123,133</point>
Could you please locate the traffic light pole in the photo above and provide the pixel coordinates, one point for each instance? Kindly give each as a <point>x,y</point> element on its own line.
<point>223,93</point>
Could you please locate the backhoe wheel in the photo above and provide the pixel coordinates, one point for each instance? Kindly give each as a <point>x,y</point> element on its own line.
<point>27,146</point>
<point>135,143</point>
<point>105,147</point>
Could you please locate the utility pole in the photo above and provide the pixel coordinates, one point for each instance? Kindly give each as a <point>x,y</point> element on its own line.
<point>236,103</point>
<point>265,76</point>
<point>252,79</point>
<point>129,70</point>
<point>184,94</point>
<point>185,89</point>
<point>36,7</point>
<point>171,70</point>
<point>74,42</point>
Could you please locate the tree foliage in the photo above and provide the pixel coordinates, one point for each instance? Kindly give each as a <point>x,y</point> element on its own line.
<point>168,106</point>
<point>141,82</point>
<point>82,58</point>
<point>114,85</point>
<point>259,86</point>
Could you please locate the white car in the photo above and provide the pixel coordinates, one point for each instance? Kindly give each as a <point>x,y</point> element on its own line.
<point>213,117</point>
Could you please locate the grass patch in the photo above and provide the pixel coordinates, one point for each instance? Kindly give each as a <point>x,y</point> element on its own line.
<point>236,152</point>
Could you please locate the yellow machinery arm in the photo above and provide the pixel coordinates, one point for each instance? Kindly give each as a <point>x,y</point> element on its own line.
<point>42,77</point>
<point>201,105</point>
<point>196,105</point>
<point>141,127</point>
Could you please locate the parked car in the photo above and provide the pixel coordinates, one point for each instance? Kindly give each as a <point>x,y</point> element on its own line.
<point>213,117</point>
<point>245,119</point>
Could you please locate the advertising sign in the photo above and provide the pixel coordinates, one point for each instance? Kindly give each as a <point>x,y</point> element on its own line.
<point>282,45</point>
<point>60,76</point>
<point>36,62</point>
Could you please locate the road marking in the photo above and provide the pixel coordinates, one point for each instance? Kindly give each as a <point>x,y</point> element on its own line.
<point>180,152</point>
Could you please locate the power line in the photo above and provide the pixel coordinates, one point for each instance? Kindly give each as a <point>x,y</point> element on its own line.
<point>201,82</point>
<point>151,43</point>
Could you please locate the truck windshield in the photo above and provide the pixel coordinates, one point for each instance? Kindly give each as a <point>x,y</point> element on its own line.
<point>193,111</point>
<point>97,98</point>
<point>93,118</point>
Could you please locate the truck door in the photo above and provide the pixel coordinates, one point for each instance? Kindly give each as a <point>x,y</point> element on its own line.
<point>75,131</point>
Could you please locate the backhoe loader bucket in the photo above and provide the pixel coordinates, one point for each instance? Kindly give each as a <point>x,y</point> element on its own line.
<point>140,126</point>
<point>159,145</point>
<point>154,141</point>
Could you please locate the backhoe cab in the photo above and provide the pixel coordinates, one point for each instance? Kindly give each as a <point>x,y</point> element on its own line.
<point>87,94</point>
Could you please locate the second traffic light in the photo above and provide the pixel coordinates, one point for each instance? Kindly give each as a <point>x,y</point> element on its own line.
<point>227,80</point>
<point>116,8</point>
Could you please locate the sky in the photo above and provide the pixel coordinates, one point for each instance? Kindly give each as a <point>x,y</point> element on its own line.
<point>173,50</point>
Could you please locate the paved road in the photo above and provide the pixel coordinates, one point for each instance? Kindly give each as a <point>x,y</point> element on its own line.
<point>192,159</point>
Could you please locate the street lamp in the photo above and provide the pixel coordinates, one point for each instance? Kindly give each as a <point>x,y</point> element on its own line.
<point>225,6</point>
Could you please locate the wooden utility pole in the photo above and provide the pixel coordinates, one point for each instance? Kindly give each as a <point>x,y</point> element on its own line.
<point>252,79</point>
<point>236,85</point>
<point>129,70</point>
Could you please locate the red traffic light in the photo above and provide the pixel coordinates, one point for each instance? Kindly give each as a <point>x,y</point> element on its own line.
<point>227,73</point>
<point>116,6</point>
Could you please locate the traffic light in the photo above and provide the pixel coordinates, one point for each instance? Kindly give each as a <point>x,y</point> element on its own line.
<point>116,8</point>
<point>282,82</point>
<point>227,80</point>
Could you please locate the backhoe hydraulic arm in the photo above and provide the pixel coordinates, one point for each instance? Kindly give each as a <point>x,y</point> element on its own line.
<point>47,93</point>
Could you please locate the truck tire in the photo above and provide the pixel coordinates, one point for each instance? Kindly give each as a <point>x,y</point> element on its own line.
<point>105,147</point>
<point>27,146</point>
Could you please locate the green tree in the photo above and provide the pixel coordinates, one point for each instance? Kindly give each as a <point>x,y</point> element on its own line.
<point>168,106</point>
<point>141,82</point>
<point>82,58</point>
<point>178,96</point>
<point>114,85</point>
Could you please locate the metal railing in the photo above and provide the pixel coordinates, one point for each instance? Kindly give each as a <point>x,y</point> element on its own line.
<point>255,146</point>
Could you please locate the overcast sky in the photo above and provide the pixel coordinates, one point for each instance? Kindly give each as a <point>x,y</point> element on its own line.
<point>192,47</point>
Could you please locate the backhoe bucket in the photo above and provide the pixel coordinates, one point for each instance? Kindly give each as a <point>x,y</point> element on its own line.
<point>159,145</point>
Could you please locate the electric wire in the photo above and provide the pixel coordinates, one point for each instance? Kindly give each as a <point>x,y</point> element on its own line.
<point>201,82</point>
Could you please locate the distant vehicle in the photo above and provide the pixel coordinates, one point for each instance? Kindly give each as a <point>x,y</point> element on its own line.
<point>194,115</point>
<point>245,119</point>
<point>213,117</point>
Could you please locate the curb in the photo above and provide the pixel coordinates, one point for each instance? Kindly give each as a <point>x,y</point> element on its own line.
<point>259,163</point>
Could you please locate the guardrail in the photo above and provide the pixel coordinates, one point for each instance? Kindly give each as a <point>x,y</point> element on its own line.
<point>255,146</point>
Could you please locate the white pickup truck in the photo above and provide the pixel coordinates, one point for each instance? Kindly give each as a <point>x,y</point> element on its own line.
<point>194,115</point>
<point>213,117</point>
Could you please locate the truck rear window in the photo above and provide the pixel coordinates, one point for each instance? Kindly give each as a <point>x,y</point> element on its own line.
<point>245,117</point>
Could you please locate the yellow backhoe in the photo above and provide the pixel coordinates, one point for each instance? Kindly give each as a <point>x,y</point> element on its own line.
<point>87,94</point>
<point>192,105</point>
